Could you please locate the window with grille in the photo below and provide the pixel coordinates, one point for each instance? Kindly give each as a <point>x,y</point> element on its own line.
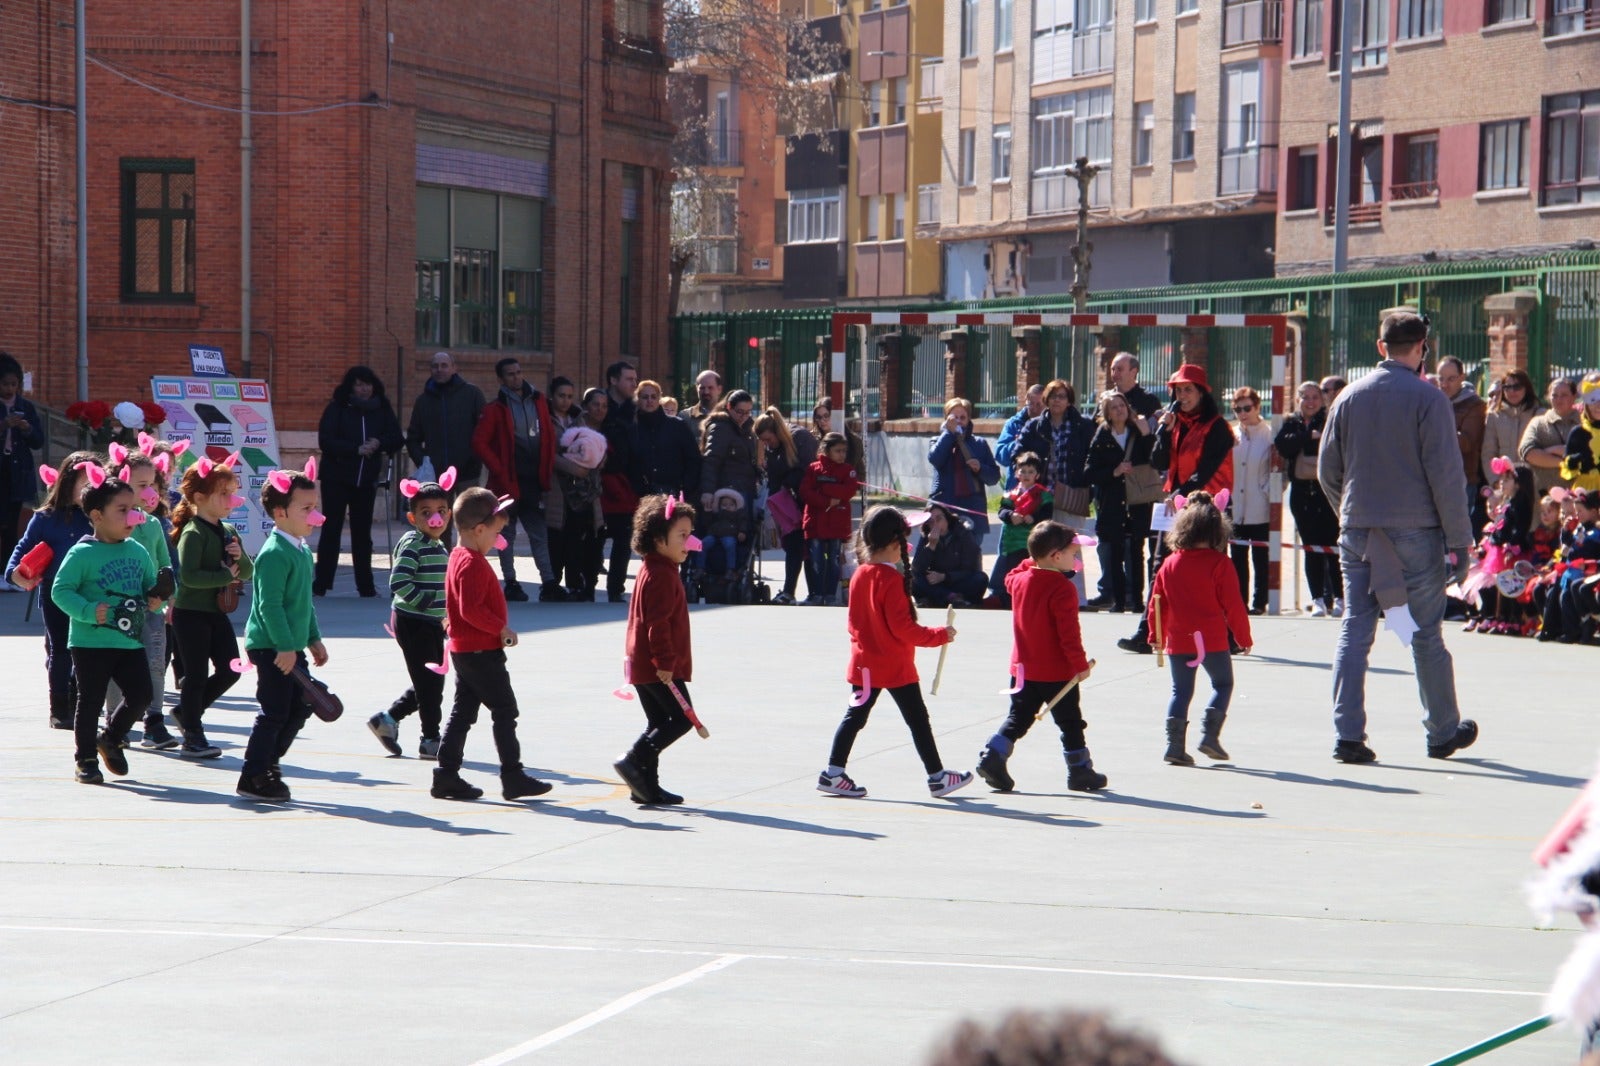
<point>1307,38</point>
<point>1185,6</point>
<point>1420,178</point>
<point>1065,127</point>
<point>1572,148</point>
<point>158,237</point>
<point>1421,18</point>
<point>479,269</point>
<point>1503,155</point>
<point>1144,10</point>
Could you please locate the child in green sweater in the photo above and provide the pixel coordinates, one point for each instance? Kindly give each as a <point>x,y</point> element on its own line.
<point>416,585</point>
<point>106,584</point>
<point>282,627</point>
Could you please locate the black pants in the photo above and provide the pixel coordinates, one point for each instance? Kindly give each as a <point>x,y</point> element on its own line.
<point>619,527</point>
<point>1122,530</point>
<point>915,712</point>
<point>360,501</point>
<point>1244,559</point>
<point>666,719</point>
<point>421,641</point>
<point>796,559</point>
<point>968,584</point>
<point>10,515</point>
<point>482,681</point>
<point>284,711</point>
<point>207,648</point>
<point>1157,557</point>
<point>57,657</point>
<point>96,668</point>
<point>1004,563</point>
<point>1318,525</point>
<point>580,547</point>
<point>1068,714</point>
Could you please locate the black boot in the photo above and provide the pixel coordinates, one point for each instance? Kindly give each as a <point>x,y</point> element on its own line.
<point>60,712</point>
<point>1177,729</point>
<point>449,785</point>
<point>519,784</point>
<point>1210,734</point>
<point>1081,775</point>
<point>633,769</point>
<point>551,592</point>
<point>653,773</point>
<point>992,768</point>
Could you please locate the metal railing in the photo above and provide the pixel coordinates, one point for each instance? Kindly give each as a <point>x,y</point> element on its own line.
<point>1252,21</point>
<point>1361,214</point>
<point>1415,190</point>
<point>1093,52</point>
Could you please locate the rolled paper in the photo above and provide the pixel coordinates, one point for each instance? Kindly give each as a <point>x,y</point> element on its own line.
<point>235,502</point>
<point>315,518</point>
<point>136,518</point>
<point>860,698</point>
<point>311,468</point>
<point>436,521</point>
<point>693,543</point>
<point>1199,650</point>
<point>409,488</point>
<point>181,446</point>
<point>204,466</point>
<point>278,479</point>
<point>118,453</point>
<point>500,544</point>
<point>1077,565</point>
<point>48,474</point>
<point>241,666</point>
<point>1086,540</point>
<point>388,627</point>
<point>447,480</point>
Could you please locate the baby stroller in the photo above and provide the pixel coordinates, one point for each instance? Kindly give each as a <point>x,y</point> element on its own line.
<point>743,584</point>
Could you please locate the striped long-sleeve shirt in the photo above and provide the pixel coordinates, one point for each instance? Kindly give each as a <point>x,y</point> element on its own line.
<point>416,582</point>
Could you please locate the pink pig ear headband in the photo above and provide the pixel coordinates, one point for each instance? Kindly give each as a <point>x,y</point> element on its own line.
<point>205,465</point>
<point>409,488</point>
<point>1220,501</point>
<point>283,480</point>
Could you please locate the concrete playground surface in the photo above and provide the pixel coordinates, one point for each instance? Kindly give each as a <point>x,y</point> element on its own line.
<point>1282,908</point>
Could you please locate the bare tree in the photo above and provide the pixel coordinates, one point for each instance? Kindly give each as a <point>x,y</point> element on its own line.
<point>786,68</point>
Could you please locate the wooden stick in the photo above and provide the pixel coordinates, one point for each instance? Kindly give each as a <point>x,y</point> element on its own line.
<point>688,711</point>
<point>1161,644</point>
<point>1059,696</point>
<point>938,672</point>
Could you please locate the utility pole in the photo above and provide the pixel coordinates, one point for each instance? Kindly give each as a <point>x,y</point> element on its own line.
<point>246,208</point>
<point>1341,195</point>
<point>1083,172</point>
<point>80,62</point>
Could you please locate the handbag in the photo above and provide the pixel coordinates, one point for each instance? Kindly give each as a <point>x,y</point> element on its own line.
<point>1068,499</point>
<point>1144,483</point>
<point>785,512</point>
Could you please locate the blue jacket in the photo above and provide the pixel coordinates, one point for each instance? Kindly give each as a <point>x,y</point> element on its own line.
<point>1009,445</point>
<point>49,528</point>
<point>23,480</point>
<point>943,457</point>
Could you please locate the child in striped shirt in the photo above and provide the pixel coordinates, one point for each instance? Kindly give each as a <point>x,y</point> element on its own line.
<point>416,585</point>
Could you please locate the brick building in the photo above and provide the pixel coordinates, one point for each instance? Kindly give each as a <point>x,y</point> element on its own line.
<point>1476,130</point>
<point>489,179</point>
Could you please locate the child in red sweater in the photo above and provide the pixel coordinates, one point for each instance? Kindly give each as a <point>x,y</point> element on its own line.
<point>475,619</point>
<point>1198,595</point>
<point>826,490</point>
<point>1046,654</point>
<point>883,637</point>
<point>658,657</point>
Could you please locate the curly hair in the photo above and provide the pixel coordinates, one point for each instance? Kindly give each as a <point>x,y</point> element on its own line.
<point>654,519</point>
<point>1200,524</point>
<point>1065,1038</point>
<point>192,485</point>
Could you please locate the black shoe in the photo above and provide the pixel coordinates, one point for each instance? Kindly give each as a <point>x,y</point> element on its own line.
<point>613,597</point>
<point>157,737</point>
<point>88,773</point>
<point>367,594</point>
<point>268,787</point>
<point>521,785</point>
<point>992,768</point>
<point>1258,610</point>
<point>665,798</point>
<point>1354,751</point>
<point>1138,647</point>
<point>448,785</point>
<point>1466,733</point>
<point>636,777</point>
<point>66,723</point>
<point>1082,776</point>
<point>111,754</point>
<point>515,593</point>
<point>550,592</point>
<point>1098,602</point>
<point>318,589</point>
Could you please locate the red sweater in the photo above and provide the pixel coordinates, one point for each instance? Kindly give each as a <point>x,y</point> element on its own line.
<point>1046,640</point>
<point>475,605</point>
<point>824,483</point>
<point>658,624</point>
<point>883,634</point>
<point>494,442</point>
<point>1199,593</point>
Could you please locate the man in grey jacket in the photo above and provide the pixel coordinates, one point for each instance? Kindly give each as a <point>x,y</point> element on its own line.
<point>1390,459</point>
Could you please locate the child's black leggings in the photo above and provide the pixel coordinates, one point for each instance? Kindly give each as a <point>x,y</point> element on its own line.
<point>207,648</point>
<point>95,669</point>
<point>909,699</point>
<point>421,641</point>
<point>1035,694</point>
<point>666,718</point>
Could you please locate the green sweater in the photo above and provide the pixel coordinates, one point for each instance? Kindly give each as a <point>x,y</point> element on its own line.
<point>150,537</point>
<point>416,582</point>
<point>202,564</point>
<point>281,616</point>
<point>96,572</point>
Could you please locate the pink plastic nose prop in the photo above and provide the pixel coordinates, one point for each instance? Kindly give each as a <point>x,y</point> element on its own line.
<point>436,521</point>
<point>694,543</point>
<point>315,518</point>
<point>149,497</point>
<point>235,501</point>
<point>500,544</point>
<point>136,518</point>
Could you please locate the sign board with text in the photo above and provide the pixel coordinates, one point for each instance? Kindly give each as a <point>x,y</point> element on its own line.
<point>207,362</point>
<point>220,416</point>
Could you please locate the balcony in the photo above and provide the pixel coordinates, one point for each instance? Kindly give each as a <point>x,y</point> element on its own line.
<point>1572,16</point>
<point>930,82</point>
<point>715,148</point>
<point>928,205</point>
<point>1248,170</point>
<point>1415,190</point>
<point>1252,22</point>
<point>1368,214</point>
<point>818,160</point>
<point>1093,52</point>
<point>1055,194</point>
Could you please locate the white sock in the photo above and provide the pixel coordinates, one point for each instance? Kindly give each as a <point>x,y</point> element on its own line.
<point>835,771</point>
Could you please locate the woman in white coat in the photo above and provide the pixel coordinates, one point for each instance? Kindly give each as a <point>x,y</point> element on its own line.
<point>1251,502</point>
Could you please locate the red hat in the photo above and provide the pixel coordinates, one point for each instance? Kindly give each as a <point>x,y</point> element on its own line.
<point>1190,374</point>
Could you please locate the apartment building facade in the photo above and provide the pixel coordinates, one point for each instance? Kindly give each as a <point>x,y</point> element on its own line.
<point>1475,130</point>
<point>1174,101</point>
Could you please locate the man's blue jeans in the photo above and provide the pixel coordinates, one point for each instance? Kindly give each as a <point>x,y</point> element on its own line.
<point>1422,563</point>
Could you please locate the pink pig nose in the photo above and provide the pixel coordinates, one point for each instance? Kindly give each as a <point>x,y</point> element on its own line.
<point>149,497</point>
<point>436,521</point>
<point>236,501</point>
<point>693,543</point>
<point>136,518</point>
<point>500,544</point>
<point>315,518</point>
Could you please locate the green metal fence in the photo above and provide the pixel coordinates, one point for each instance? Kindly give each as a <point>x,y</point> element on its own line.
<point>1343,312</point>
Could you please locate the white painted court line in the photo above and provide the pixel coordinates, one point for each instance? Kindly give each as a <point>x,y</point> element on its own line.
<point>610,1010</point>
<point>937,964</point>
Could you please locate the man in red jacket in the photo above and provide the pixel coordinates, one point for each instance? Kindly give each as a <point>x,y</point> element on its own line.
<point>1046,654</point>
<point>517,444</point>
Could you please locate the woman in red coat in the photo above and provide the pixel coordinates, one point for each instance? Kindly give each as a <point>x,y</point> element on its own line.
<point>884,636</point>
<point>1197,594</point>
